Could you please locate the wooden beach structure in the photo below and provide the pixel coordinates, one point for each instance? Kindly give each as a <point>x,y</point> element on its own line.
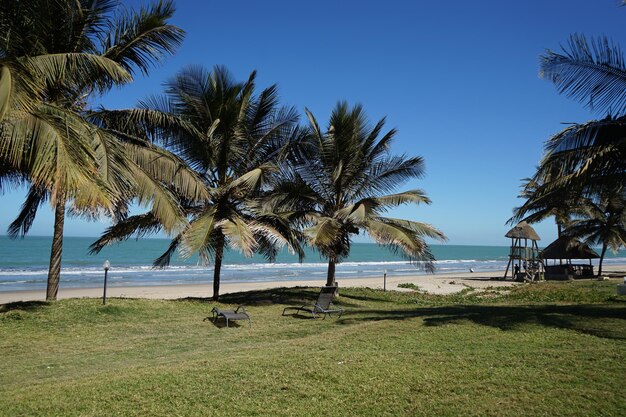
<point>568,249</point>
<point>524,257</point>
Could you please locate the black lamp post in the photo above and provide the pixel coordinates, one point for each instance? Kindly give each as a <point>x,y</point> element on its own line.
<point>106,266</point>
<point>385,281</point>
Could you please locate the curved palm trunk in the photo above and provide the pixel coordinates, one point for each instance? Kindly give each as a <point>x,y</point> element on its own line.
<point>330,278</point>
<point>604,247</point>
<point>54,271</point>
<point>219,254</point>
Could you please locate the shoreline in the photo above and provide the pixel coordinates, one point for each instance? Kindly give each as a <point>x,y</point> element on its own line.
<point>433,284</point>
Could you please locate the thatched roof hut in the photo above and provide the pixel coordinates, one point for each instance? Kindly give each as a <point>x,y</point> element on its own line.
<point>523,231</point>
<point>522,253</point>
<point>568,248</point>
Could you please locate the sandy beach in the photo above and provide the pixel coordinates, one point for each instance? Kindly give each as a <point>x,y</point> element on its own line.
<point>434,284</point>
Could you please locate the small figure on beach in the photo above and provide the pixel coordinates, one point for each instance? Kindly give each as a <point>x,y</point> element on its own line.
<point>516,269</point>
<point>471,269</point>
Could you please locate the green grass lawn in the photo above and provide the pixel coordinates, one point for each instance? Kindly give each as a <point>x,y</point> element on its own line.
<point>543,349</point>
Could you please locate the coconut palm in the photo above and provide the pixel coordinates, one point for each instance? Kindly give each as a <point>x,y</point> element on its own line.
<point>26,65</point>
<point>561,203</point>
<point>233,139</point>
<point>31,62</point>
<point>604,222</point>
<point>339,185</point>
<point>48,137</point>
<point>583,158</point>
<point>590,154</point>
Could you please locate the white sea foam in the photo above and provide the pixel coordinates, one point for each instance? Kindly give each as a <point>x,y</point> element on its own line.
<point>81,276</point>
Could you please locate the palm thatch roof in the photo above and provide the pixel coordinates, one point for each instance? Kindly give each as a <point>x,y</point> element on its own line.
<point>523,230</point>
<point>568,248</point>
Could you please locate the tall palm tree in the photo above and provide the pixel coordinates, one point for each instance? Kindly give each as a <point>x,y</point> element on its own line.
<point>604,222</point>
<point>339,185</point>
<point>586,160</point>
<point>51,141</point>
<point>233,139</point>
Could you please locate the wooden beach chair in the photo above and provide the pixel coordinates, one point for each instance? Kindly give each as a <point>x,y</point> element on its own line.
<point>323,305</point>
<point>228,315</point>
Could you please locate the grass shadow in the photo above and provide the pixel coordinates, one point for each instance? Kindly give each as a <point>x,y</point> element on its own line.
<point>220,323</point>
<point>299,316</point>
<point>292,296</point>
<point>373,296</point>
<point>594,320</point>
<point>272,296</point>
<point>23,305</point>
<point>260,297</point>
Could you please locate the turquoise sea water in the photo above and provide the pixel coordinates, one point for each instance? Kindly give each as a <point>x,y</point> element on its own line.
<point>24,263</point>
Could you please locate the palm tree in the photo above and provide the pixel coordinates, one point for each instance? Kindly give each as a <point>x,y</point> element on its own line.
<point>339,183</point>
<point>233,139</point>
<point>604,222</point>
<point>561,203</point>
<point>590,154</point>
<point>49,138</point>
<point>586,160</point>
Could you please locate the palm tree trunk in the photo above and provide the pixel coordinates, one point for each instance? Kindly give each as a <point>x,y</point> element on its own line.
<point>219,254</point>
<point>559,230</point>
<point>330,278</point>
<point>54,271</point>
<point>604,247</point>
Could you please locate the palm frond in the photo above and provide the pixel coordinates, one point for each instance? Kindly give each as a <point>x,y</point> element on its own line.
<point>141,39</point>
<point>200,234</point>
<point>421,229</point>
<point>52,147</point>
<point>139,225</point>
<point>585,155</point>
<point>326,232</point>
<point>405,197</point>
<point>403,240</point>
<point>593,73</point>
<point>543,202</point>
<point>77,67</point>
<point>141,122</point>
<point>239,234</point>
<point>248,182</point>
<point>21,225</point>
<point>166,168</point>
<point>387,174</point>
<point>163,203</point>
<point>6,85</point>
<point>166,257</point>
<point>273,231</point>
<point>20,89</point>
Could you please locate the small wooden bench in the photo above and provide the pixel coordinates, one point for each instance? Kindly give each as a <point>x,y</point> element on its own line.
<point>238,314</point>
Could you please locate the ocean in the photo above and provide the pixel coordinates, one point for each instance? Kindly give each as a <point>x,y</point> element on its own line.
<point>24,264</point>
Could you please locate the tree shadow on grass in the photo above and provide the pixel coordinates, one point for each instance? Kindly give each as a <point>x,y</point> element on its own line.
<point>370,295</point>
<point>597,320</point>
<point>23,305</point>
<point>296,296</point>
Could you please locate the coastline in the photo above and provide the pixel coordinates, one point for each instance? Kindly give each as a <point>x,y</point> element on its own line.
<point>433,284</point>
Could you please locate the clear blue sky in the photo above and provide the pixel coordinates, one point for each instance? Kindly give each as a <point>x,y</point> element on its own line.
<point>458,79</point>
